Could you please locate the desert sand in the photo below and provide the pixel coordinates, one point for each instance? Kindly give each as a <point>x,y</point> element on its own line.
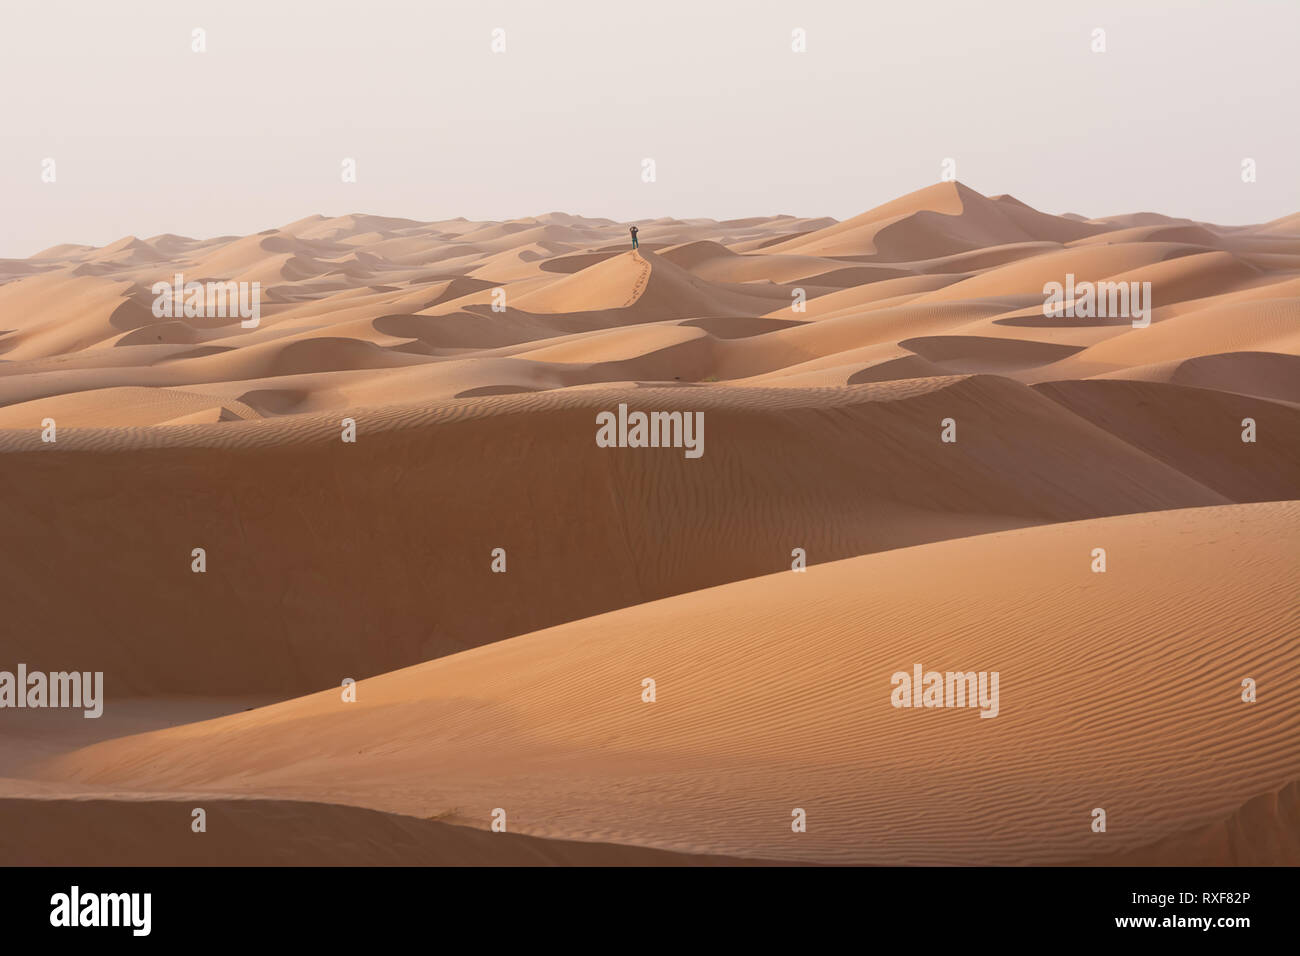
<point>472,359</point>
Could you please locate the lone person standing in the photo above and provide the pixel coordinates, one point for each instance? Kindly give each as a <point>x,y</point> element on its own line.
<point>634,237</point>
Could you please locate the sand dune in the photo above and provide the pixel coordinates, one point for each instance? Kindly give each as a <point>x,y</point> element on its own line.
<point>392,526</point>
<point>832,362</point>
<point>762,707</point>
<point>429,292</point>
<point>939,220</point>
<point>1197,431</point>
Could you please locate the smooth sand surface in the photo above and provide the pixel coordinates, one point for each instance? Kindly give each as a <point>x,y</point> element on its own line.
<point>827,359</point>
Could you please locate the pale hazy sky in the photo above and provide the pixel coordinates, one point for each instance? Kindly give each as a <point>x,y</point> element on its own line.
<point>149,137</point>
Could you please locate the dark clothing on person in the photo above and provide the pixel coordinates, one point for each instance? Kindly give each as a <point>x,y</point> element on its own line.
<point>634,244</point>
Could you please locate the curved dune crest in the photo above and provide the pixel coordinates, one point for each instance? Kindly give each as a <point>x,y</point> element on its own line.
<point>939,220</point>
<point>761,707</point>
<point>388,517</point>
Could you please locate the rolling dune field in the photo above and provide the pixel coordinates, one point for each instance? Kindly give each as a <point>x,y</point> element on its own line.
<point>364,577</point>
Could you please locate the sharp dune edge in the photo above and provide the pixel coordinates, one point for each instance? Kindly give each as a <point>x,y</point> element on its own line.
<point>474,358</point>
